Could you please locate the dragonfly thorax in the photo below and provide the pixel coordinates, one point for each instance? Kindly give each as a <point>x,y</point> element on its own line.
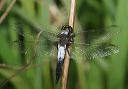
<point>66,36</point>
<point>63,39</point>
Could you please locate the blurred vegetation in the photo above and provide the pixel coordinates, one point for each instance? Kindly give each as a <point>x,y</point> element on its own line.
<point>110,73</point>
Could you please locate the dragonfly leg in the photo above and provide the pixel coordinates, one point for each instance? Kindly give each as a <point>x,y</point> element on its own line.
<point>56,44</point>
<point>71,40</point>
<point>68,51</point>
<point>58,35</point>
<point>72,34</point>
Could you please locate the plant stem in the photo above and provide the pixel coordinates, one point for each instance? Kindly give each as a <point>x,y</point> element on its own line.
<point>2,2</point>
<point>7,11</point>
<point>67,56</point>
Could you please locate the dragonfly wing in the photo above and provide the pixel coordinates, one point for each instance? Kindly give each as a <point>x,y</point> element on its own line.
<point>94,52</point>
<point>45,46</point>
<point>97,36</point>
<point>24,31</point>
<point>43,50</point>
<point>26,44</point>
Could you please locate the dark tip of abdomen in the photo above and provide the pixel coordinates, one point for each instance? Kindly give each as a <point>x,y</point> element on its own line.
<point>58,70</point>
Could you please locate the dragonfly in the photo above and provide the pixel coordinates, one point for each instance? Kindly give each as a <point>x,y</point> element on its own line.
<point>87,50</point>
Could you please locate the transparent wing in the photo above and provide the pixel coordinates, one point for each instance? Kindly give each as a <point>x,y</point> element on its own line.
<point>32,31</point>
<point>46,40</point>
<point>96,36</point>
<point>97,44</point>
<point>41,54</point>
<point>94,52</point>
<point>26,47</point>
<point>38,48</point>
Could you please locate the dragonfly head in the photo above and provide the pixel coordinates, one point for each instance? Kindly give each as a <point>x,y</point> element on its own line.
<point>70,29</point>
<point>67,27</point>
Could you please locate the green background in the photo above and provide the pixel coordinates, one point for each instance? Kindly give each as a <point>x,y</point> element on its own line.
<point>104,73</point>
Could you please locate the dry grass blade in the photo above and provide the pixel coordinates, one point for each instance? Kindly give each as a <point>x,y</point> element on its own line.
<point>7,11</point>
<point>2,2</point>
<point>67,57</point>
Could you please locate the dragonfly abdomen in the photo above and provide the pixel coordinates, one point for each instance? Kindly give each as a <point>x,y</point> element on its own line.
<point>61,54</point>
<point>59,70</point>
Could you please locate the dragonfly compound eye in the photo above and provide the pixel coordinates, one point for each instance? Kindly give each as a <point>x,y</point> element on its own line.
<point>70,29</point>
<point>63,27</point>
<point>66,27</point>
